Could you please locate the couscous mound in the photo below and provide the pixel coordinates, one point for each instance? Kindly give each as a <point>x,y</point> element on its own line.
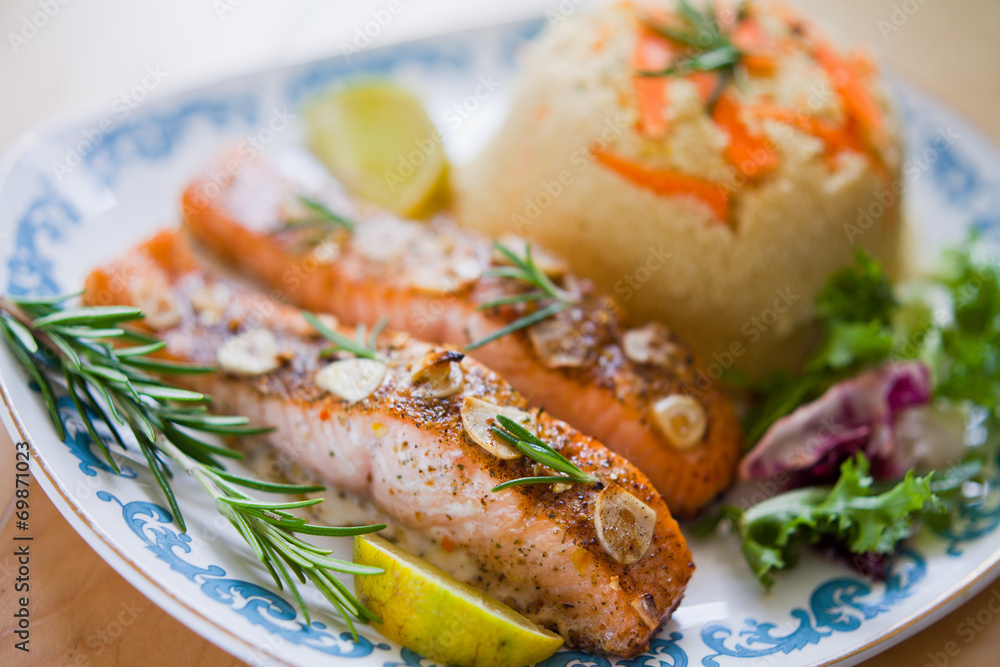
<point>709,168</point>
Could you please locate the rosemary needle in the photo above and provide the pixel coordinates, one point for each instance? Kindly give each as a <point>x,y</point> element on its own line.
<point>710,49</point>
<point>524,270</point>
<point>319,215</point>
<point>539,451</point>
<point>111,385</point>
<point>363,344</point>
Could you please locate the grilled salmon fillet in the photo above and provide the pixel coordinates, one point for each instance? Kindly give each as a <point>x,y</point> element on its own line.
<point>583,364</point>
<point>536,547</point>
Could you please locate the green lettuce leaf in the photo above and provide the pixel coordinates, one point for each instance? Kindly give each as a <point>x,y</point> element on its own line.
<point>952,323</point>
<point>855,310</point>
<point>852,512</point>
<point>966,359</point>
<point>863,324</point>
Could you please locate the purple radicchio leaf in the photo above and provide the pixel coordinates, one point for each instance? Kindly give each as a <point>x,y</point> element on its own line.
<point>858,414</point>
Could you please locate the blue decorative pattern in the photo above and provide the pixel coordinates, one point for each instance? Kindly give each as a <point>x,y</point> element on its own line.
<point>410,659</point>
<point>973,520</point>
<point>953,175</point>
<point>957,178</point>
<point>258,605</point>
<point>573,659</point>
<point>149,137</point>
<point>155,136</point>
<point>839,605</point>
<point>45,220</point>
<point>663,652</point>
<point>79,441</point>
<point>454,56</point>
<point>439,56</point>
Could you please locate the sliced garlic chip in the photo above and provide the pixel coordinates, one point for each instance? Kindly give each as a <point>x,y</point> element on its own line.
<point>159,307</point>
<point>467,269</point>
<point>210,302</point>
<point>650,344</point>
<point>384,239</point>
<point>681,419</point>
<point>645,606</point>
<point>551,265</point>
<point>438,375</point>
<point>352,379</point>
<point>624,524</point>
<point>558,344</point>
<point>441,271</point>
<point>253,352</point>
<point>477,417</point>
<point>436,280</point>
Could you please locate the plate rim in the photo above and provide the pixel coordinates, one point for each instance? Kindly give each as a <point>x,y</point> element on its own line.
<point>187,614</point>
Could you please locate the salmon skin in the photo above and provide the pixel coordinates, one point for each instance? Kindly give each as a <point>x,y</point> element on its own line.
<point>535,547</point>
<point>583,365</point>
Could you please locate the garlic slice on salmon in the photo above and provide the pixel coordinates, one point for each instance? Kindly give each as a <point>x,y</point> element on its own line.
<point>160,309</point>
<point>438,375</point>
<point>477,417</point>
<point>210,302</point>
<point>435,280</point>
<point>650,344</point>
<point>645,606</point>
<point>352,379</point>
<point>253,352</point>
<point>624,525</point>
<point>681,419</point>
<point>558,344</point>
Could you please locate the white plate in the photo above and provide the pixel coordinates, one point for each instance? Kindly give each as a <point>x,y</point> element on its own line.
<point>59,217</point>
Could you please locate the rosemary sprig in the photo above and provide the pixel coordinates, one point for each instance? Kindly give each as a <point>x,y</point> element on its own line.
<point>539,451</point>
<point>270,530</point>
<point>73,347</point>
<point>363,344</point>
<point>525,270</point>
<point>319,215</point>
<point>710,48</point>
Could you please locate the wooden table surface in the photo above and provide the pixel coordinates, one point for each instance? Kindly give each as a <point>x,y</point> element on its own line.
<point>83,613</point>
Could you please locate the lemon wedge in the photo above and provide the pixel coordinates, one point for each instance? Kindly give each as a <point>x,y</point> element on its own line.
<point>441,618</point>
<point>377,140</point>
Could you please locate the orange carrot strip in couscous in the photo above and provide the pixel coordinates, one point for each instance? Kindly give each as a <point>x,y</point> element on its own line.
<point>834,137</point>
<point>705,82</point>
<point>748,151</point>
<point>756,48</point>
<point>859,104</point>
<point>652,54</point>
<point>669,182</point>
